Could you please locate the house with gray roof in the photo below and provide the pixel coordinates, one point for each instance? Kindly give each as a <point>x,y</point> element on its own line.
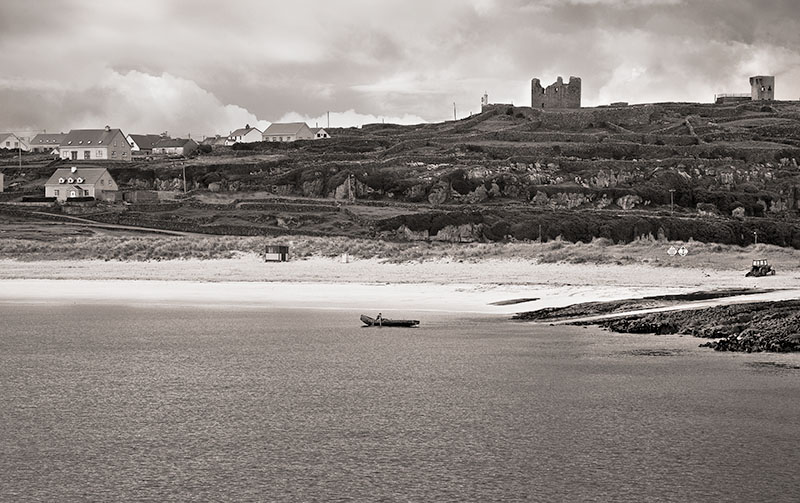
<point>246,134</point>
<point>65,183</point>
<point>143,143</point>
<point>215,141</point>
<point>11,141</point>
<point>96,144</point>
<point>288,131</point>
<point>175,146</point>
<point>319,133</point>
<point>47,142</point>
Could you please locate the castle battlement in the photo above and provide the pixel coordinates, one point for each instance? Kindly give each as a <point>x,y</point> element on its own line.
<point>557,95</point>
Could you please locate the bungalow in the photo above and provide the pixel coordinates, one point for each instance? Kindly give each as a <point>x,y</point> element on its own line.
<point>11,141</point>
<point>96,144</point>
<point>47,142</point>
<point>246,134</point>
<point>288,131</point>
<point>176,146</point>
<point>81,182</point>
<point>215,141</point>
<point>143,143</point>
<point>319,133</point>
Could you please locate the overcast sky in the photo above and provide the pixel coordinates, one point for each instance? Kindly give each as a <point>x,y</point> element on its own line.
<point>202,67</point>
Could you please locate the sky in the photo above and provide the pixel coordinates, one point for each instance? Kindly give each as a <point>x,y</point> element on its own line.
<point>201,68</point>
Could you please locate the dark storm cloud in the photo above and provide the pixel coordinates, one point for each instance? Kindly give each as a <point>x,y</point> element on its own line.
<point>204,66</point>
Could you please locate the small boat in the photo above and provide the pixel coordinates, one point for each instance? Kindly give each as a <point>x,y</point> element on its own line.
<point>385,322</point>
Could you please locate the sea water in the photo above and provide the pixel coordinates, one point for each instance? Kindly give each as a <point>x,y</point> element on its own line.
<point>176,403</point>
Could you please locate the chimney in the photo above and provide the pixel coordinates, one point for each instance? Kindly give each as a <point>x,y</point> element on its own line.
<point>73,169</point>
<point>108,128</point>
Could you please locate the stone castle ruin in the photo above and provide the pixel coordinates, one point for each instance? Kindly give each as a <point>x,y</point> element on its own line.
<point>762,87</point>
<point>558,95</point>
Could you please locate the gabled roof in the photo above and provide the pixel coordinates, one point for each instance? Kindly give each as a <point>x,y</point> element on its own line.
<point>4,136</point>
<point>89,175</point>
<point>49,139</point>
<point>173,142</point>
<point>244,131</point>
<point>214,140</point>
<point>91,137</point>
<point>316,130</point>
<point>285,128</point>
<point>145,141</point>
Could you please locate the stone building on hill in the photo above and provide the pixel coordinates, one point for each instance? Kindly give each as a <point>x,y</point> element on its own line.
<point>762,87</point>
<point>557,95</point>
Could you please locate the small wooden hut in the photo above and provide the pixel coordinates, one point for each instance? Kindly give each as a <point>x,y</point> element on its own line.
<point>276,253</point>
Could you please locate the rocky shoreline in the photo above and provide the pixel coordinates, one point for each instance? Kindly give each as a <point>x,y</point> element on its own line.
<point>745,327</point>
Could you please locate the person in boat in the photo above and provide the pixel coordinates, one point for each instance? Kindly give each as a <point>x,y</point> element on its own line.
<point>379,320</point>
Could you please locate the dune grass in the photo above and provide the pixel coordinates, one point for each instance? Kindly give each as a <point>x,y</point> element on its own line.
<point>599,251</point>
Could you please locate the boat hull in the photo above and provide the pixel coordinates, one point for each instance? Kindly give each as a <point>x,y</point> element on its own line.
<point>385,322</point>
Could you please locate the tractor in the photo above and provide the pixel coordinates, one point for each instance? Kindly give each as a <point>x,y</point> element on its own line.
<point>761,268</point>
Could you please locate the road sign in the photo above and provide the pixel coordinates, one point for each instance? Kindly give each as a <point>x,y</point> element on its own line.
<point>672,251</point>
<point>682,251</point>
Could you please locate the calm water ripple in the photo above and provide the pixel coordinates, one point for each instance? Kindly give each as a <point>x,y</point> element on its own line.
<point>111,403</point>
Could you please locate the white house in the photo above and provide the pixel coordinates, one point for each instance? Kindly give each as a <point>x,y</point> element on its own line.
<point>47,142</point>
<point>246,134</point>
<point>11,141</point>
<point>319,133</point>
<point>288,131</point>
<point>81,182</point>
<point>96,144</point>
<point>143,143</point>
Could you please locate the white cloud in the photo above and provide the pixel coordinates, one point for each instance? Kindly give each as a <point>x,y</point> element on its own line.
<point>152,103</point>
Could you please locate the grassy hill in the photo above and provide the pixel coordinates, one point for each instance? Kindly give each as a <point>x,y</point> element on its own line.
<point>715,173</point>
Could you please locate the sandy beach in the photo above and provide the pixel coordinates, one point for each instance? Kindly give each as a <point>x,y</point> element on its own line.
<point>474,287</point>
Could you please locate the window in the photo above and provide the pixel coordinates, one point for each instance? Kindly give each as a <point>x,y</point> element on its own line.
<point>102,182</point>
<point>85,192</point>
<point>113,153</point>
<point>99,153</point>
<point>8,144</point>
<point>55,192</point>
<point>87,154</point>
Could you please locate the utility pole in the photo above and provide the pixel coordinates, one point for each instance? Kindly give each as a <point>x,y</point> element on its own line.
<point>329,120</point>
<point>184,178</point>
<point>454,111</point>
<point>671,202</point>
<point>755,237</point>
